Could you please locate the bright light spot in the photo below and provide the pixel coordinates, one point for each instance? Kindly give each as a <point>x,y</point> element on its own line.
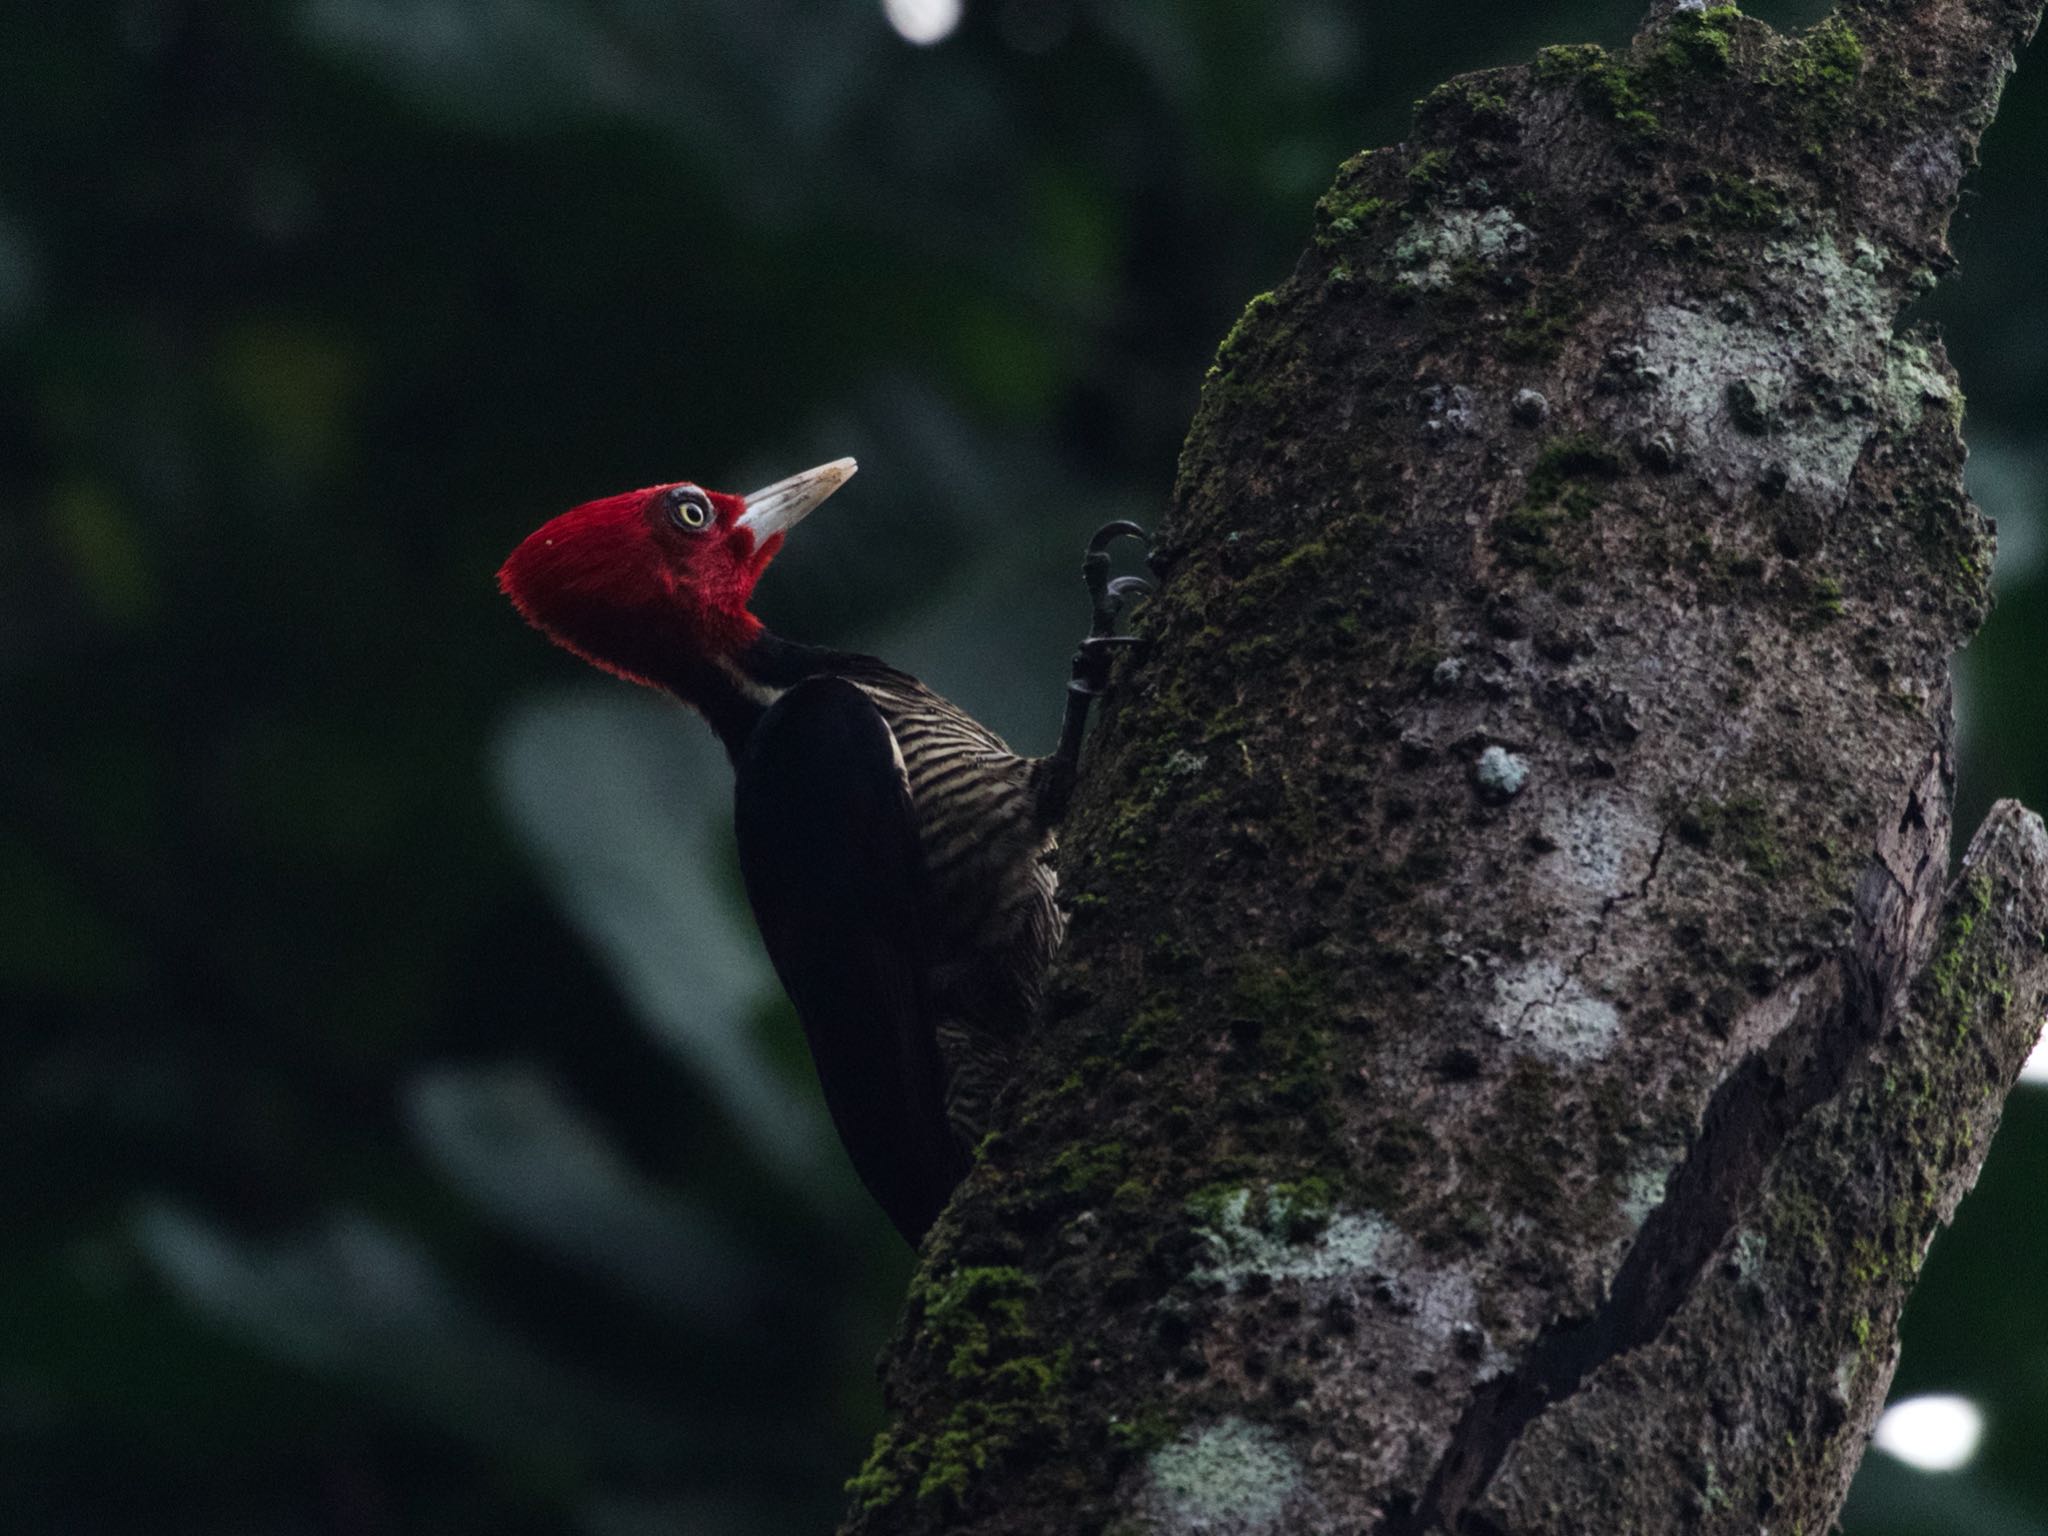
<point>1936,1433</point>
<point>922,21</point>
<point>2035,1068</point>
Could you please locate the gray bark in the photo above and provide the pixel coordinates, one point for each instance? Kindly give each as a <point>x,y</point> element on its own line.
<point>1518,1032</point>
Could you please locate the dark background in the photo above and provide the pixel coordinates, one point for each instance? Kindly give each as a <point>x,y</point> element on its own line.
<point>401,1129</point>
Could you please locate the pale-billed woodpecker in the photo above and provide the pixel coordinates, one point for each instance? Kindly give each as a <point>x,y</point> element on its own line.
<point>897,855</point>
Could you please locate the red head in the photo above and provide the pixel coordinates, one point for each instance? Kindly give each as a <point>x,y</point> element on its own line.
<point>650,583</point>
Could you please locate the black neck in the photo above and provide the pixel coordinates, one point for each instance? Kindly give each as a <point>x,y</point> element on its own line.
<point>733,693</point>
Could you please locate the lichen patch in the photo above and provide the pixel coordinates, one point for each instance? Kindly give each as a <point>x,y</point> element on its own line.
<point>1746,387</point>
<point>1723,392</point>
<point>1913,380</point>
<point>1543,1005</point>
<point>1645,1189</point>
<point>1501,774</point>
<point>1433,253</point>
<point>1233,1478</point>
<point>1605,846</point>
<point>1240,1247</point>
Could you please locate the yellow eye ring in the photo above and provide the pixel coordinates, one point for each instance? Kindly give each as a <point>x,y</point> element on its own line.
<point>689,509</point>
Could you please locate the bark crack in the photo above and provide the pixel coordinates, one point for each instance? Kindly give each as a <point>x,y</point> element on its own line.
<point>1622,899</point>
<point>1746,1122</point>
<point>1576,968</point>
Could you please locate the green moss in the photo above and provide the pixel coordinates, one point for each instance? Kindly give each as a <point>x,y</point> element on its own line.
<point>1032,1377</point>
<point>1011,1393</point>
<point>1801,1225</point>
<point>1559,490</point>
<point>1567,62</point>
<point>1308,554</point>
<point>1301,1210</point>
<point>1087,1170</point>
<point>1741,827</point>
<point>1279,1229</point>
<point>1341,215</point>
<point>1868,1263</point>
<point>1233,343</point>
<point>1823,601</point>
<point>1823,66</point>
<point>877,1484</point>
<point>978,1435</point>
<point>1692,50</point>
<point>1524,538</point>
<point>1276,1090</point>
<point>1143,1432</point>
<point>1740,202</point>
<point>971,1312</point>
<point>1255,650</point>
<point>1299,1086</point>
<point>1144,1040</point>
<point>1604,83</point>
<point>1966,972</point>
<point>1281,1022</point>
<point>1470,107</point>
<point>1816,79</point>
<point>1346,210</point>
<point>1952,961</point>
<point>1174,743</point>
<point>1564,459</point>
<point>1268,994</point>
<point>1538,330</point>
<point>1212,1204</point>
<point>1698,43</point>
<point>1427,173</point>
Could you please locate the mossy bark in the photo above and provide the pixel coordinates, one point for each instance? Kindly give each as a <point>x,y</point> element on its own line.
<point>1517,1034</point>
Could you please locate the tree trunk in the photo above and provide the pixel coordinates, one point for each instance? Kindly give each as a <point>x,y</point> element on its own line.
<point>1518,1035</point>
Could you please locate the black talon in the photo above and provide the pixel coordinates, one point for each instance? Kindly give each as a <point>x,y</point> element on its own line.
<point>1109,533</point>
<point>1109,598</point>
<point>1090,677</point>
<point>1091,663</point>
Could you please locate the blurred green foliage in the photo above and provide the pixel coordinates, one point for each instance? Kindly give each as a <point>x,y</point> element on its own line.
<point>402,1131</point>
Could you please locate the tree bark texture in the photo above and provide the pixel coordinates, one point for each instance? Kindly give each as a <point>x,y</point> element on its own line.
<point>1518,1032</point>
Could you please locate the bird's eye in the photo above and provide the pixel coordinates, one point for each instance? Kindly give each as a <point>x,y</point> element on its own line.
<point>689,509</point>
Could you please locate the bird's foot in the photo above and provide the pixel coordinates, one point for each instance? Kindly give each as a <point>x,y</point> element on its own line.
<point>1092,662</point>
<point>1108,598</point>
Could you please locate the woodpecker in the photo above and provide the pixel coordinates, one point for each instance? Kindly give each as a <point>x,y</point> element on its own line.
<point>898,855</point>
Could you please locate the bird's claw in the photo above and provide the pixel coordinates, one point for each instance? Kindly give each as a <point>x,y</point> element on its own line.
<point>1108,597</point>
<point>1109,533</point>
<point>1092,661</point>
<point>1090,677</point>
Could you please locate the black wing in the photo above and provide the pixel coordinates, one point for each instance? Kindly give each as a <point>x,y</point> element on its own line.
<point>829,849</point>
